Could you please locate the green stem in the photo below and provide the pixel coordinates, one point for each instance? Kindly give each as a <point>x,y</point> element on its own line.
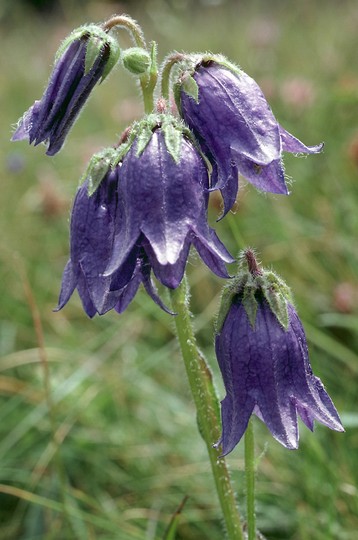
<point>207,406</point>
<point>148,81</point>
<point>124,21</point>
<point>250,480</point>
<point>166,69</point>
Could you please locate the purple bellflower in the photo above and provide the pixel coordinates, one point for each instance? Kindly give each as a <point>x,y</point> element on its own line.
<point>93,221</point>
<point>262,353</point>
<point>229,115</point>
<point>84,58</point>
<point>163,195</point>
<point>141,206</point>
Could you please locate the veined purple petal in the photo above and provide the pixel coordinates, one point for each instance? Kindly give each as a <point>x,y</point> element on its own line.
<point>164,210</point>
<point>69,282</point>
<point>268,178</point>
<point>237,131</point>
<point>232,111</point>
<point>266,371</point>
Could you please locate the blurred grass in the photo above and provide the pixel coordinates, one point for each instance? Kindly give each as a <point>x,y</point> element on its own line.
<point>123,449</point>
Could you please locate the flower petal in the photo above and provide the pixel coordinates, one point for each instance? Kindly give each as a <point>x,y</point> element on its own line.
<point>295,146</point>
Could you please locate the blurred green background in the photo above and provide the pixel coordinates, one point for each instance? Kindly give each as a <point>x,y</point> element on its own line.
<point>98,430</point>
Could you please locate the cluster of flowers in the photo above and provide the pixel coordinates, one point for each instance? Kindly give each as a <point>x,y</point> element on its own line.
<point>143,203</point>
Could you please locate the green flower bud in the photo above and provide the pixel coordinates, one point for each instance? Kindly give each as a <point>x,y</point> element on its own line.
<point>136,60</point>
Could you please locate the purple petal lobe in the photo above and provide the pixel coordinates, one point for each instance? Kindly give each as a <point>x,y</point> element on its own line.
<point>69,282</point>
<point>295,146</point>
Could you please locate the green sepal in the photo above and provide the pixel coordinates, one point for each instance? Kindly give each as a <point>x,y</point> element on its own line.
<point>114,55</point>
<point>190,87</point>
<point>173,139</point>
<point>96,38</point>
<point>78,33</point>
<point>251,288</point>
<point>94,49</point>
<point>136,60</point>
<point>250,303</point>
<point>234,288</point>
<point>98,167</point>
<point>277,294</point>
<point>143,138</point>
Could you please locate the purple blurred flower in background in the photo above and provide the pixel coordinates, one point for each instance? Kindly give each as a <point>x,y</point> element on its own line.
<point>85,57</point>
<point>231,118</point>
<point>262,353</point>
<point>163,195</point>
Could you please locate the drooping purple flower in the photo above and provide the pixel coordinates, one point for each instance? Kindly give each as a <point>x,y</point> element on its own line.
<point>163,193</point>
<point>228,113</point>
<point>93,221</point>
<point>85,57</point>
<point>263,357</point>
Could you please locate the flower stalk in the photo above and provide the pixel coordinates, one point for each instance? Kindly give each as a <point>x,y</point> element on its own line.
<point>168,64</point>
<point>207,406</point>
<point>147,81</point>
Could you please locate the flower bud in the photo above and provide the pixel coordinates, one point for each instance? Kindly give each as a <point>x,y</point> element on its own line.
<point>136,60</point>
<point>85,57</point>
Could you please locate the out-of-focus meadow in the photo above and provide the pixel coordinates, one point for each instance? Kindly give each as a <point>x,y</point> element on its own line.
<point>98,430</point>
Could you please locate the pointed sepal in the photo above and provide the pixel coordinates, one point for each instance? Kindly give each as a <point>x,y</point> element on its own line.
<point>251,286</point>
<point>98,167</point>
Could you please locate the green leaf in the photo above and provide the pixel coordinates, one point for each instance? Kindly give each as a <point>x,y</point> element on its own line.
<point>174,522</point>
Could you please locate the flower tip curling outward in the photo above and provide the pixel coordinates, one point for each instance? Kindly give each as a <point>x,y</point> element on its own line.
<point>231,118</point>
<point>84,58</point>
<point>263,357</point>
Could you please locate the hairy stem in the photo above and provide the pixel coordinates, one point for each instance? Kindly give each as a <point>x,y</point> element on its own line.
<point>166,70</point>
<point>124,21</point>
<point>207,407</point>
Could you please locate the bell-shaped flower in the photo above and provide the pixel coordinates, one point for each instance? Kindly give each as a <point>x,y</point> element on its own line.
<point>93,220</point>
<point>229,115</point>
<point>262,353</point>
<point>84,58</point>
<point>163,195</point>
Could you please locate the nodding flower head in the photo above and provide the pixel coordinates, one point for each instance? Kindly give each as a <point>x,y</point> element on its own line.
<point>163,195</point>
<point>84,58</point>
<point>141,207</point>
<point>93,221</point>
<point>262,353</point>
<point>231,118</point>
